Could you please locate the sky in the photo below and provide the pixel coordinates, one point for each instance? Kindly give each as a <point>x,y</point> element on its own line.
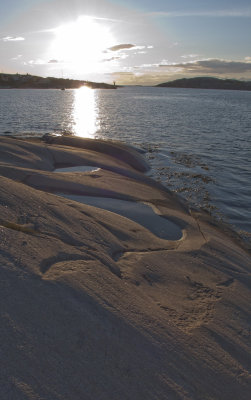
<point>134,42</point>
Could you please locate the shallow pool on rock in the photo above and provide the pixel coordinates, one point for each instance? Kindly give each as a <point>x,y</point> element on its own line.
<point>78,168</point>
<point>137,212</point>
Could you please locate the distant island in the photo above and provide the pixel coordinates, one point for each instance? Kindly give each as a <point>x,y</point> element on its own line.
<point>18,81</point>
<point>208,83</point>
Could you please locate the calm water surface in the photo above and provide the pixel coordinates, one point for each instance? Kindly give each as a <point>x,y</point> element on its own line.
<point>198,142</point>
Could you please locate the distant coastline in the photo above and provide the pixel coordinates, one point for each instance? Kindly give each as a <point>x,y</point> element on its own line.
<point>18,81</point>
<point>208,83</point>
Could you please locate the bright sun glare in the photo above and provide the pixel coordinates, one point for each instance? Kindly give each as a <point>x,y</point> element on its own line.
<point>81,44</point>
<point>85,115</point>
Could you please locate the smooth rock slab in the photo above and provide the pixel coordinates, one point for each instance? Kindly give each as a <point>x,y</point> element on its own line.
<point>138,212</point>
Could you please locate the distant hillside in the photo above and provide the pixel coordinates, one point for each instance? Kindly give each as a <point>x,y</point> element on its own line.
<point>208,83</point>
<point>17,81</point>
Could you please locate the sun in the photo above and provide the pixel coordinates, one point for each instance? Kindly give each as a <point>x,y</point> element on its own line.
<point>80,45</point>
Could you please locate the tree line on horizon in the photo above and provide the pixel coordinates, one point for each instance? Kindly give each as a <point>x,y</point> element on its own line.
<point>27,81</point>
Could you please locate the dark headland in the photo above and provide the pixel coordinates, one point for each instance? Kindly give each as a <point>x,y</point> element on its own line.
<point>18,81</point>
<point>94,305</point>
<point>208,83</point>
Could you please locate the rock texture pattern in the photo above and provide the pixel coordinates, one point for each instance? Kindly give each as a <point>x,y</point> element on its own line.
<point>94,305</point>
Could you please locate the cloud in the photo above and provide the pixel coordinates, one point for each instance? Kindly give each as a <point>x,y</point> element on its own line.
<point>111,59</point>
<point>105,19</point>
<point>17,57</point>
<point>152,73</point>
<point>165,63</point>
<point>121,73</point>
<point>124,46</point>
<point>147,66</point>
<point>124,76</point>
<point>127,46</point>
<point>38,61</point>
<point>211,66</point>
<point>136,78</point>
<point>121,56</point>
<point>243,13</point>
<point>189,56</point>
<point>12,38</point>
<point>139,47</point>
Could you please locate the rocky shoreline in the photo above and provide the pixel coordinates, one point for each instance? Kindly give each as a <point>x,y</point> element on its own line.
<point>96,306</point>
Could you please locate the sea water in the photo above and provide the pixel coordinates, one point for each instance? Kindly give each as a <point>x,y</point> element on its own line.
<point>198,142</point>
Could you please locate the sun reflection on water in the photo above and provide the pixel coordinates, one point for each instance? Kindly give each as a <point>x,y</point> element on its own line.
<point>85,113</point>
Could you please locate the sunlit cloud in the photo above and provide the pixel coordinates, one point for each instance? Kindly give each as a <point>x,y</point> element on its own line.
<point>203,13</point>
<point>12,38</point>
<point>208,66</point>
<point>105,19</point>
<point>165,63</point>
<point>189,56</point>
<point>136,78</point>
<point>155,73</point>
<point>121,56</point>
<point>127,46</point>
<point>122,74</point>
<point>125,50</point>
<point>38,61</point>
<point>18,57</point>
<point>139,47</point>
<point>124,46</point>
<point>111,59</point>
<point>41,61</point>
<point>147,66</point>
